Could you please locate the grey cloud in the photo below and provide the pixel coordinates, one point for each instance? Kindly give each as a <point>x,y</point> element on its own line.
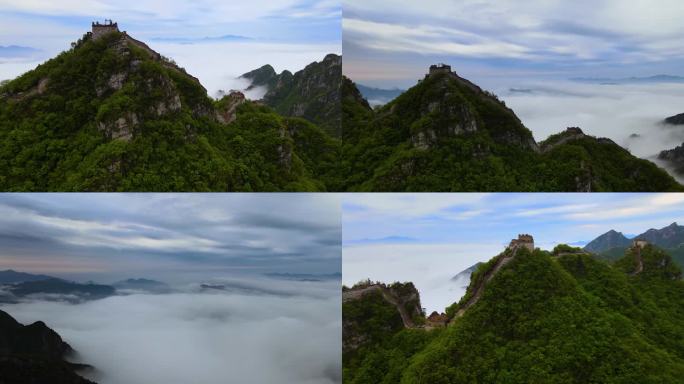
<point>214,230</point>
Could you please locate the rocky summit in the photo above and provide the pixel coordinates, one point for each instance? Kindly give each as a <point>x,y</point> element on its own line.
<point>448,134</point>
<point>609,240</point>
<point>31,354</point>
<point>312,93</point>
<point>112,114</point>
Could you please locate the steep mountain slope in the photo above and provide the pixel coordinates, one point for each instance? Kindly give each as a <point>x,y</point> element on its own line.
<point>541,317</point>
<point>670,238</point>
<point>312,93</point>
<point>447,134</point>
<point>610,239</point>
<point>466,273</point>
<point>675,120</point>
<point>111,114</point>
<point>31,354</point>
<point>266,76</point>
<point>666,237</point>
<point>674,158</point>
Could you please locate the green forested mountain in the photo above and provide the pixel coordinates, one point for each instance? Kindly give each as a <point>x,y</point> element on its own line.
<point>609,240</point>
<point>536,317</point>
<point>113,115</point>
<point>447,134</point>
<point>312,93</point>
<point>612,245</point>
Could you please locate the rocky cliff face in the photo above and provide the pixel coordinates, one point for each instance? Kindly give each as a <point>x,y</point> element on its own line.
<point>312,93</point>
<point>116,115</point>
<point>34,354</point>
<point>667,237</point>
<point>674,157</point>
<point>447,134</point>
<point>375,310</point>
<point>444,105</point>
<point>610,239</point>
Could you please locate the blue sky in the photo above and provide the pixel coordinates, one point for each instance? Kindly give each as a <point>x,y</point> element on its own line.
<point>169,236</point>
<point>429,238</point>
<point>285,33</point>
<point>391,43</point>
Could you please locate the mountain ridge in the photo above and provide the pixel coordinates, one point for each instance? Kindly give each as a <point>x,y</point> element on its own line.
<point>35,354</point>
<point>312,93</point>
<point>538,319</point>
<point>448,134</point>
<point>111,114</point>
<point>670,238</point>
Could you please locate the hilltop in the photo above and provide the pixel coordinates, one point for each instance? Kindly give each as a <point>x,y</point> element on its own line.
<point>612,245</point>
<point>312,93</point>
<point>35,354</point>
<point>448,134</point>
<point>536,316</point>
<point>112,114</point>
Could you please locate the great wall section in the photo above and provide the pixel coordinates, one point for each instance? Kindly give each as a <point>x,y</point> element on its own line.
<point>437,320</point>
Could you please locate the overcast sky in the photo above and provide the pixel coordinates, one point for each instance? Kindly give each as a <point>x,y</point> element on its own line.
<point>181,237</point>
<point>213,39</point>
<point>392,42</point>
<point>429,238</point>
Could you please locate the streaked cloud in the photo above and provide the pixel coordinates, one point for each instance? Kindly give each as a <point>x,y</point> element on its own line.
<point>490,38</point>
<point>170,232</point>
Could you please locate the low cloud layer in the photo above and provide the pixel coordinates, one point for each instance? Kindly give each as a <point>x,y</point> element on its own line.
<point>218,65</point>
<point>613,111</point>
<point>429,266</point>
<point>209,338</point>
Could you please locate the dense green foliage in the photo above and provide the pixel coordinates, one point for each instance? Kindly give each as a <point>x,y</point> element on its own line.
<point>564,248</point>
<point>65,127</point>
<point>312,93</point>
<point>613,254</point>
<point>548,319</point>
<point>380,151</point>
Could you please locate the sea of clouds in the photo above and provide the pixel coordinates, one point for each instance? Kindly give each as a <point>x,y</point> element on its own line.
<point>430,267</point>
<point>615,111</point>
<point>256,331</point>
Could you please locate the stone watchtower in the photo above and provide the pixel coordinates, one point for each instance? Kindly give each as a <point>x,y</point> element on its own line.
<point>439,68</point>
<point>523,240</point>
<point>637,243</point>
<point>100,30</point>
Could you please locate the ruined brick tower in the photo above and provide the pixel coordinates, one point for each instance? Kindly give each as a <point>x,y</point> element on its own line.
<point>523,240</point>
<point>100,30</point>
<point>637,243</point>
<point>439,68</point>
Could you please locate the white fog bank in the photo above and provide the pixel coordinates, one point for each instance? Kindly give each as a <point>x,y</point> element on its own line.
<point>211,338</point>
<point>613,111</point>
<point>429,267</point>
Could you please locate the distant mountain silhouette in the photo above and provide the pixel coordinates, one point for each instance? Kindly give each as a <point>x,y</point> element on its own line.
<point>11,276</point>
<point>62,289</point>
